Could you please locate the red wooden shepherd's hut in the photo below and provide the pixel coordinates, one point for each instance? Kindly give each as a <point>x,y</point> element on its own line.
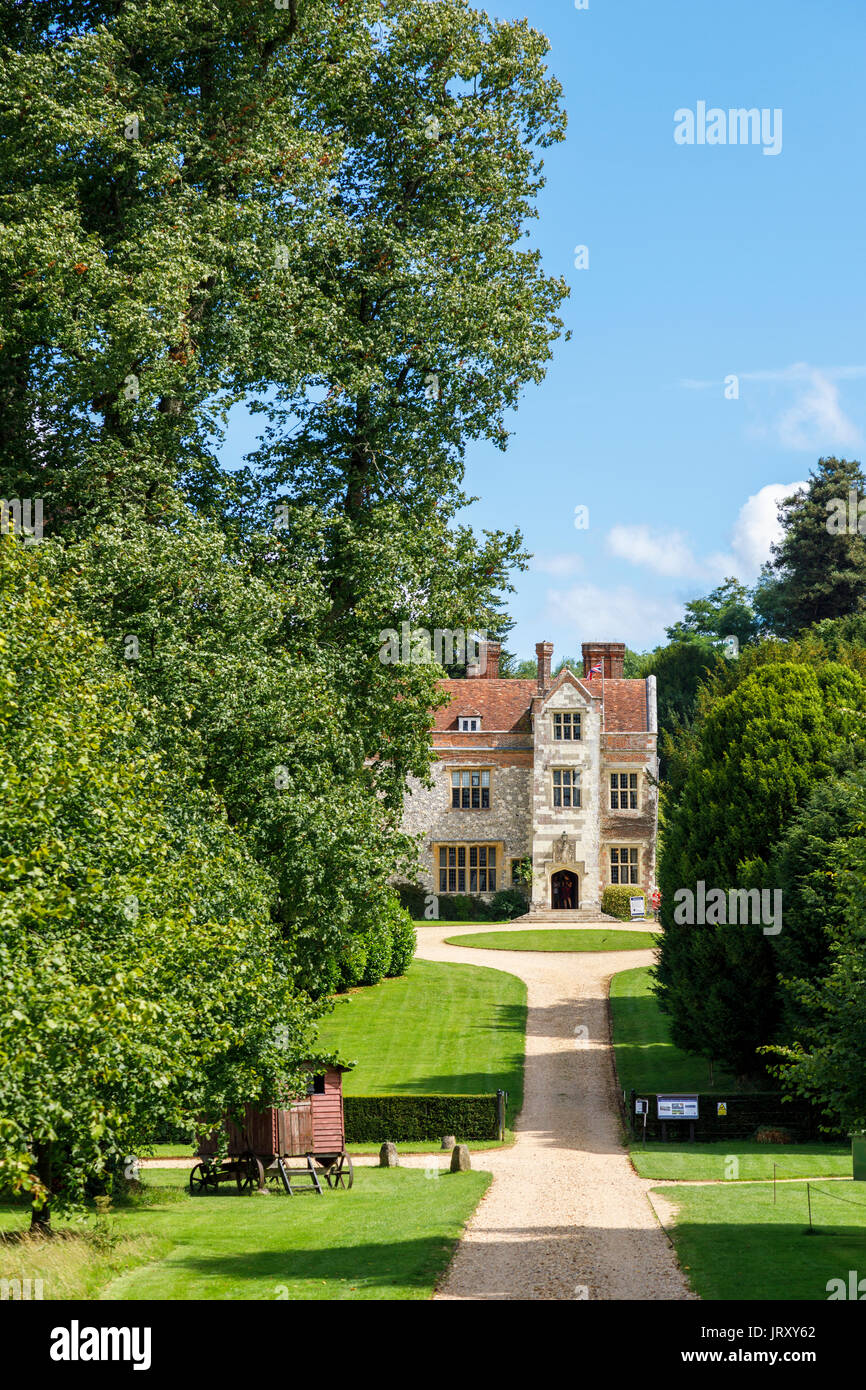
<point>311,1128</point>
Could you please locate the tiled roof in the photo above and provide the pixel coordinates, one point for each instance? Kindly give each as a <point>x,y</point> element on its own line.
<point>624,704</point>
<point>502,704</point>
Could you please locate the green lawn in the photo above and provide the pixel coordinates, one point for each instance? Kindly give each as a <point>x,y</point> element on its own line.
<point>646,1059</point>
<point>438,1030</point>
<point>389,1237</point>
<point>734,1243</point>
<point>561,939</point>
<point>740,1160</point>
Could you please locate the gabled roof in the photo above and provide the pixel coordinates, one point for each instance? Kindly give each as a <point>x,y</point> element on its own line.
<point>504,705</point>
<point>567,677</point>
<point>625,704</point>
<point>501,704</point>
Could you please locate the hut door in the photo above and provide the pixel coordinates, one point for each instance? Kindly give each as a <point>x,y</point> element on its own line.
<point>296,1137</point>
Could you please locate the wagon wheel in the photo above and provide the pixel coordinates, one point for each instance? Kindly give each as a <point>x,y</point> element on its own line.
<point>343,1173</point>
<point>249,1173</point>
<point>200,1179</point>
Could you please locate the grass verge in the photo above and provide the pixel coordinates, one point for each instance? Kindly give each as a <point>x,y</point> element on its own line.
<point>438,1030</point>
<point>646,1059</point>
<point>562,940</point>
<point>740,1160</point>
<point>733,1243</point>
<point>390,1237</point>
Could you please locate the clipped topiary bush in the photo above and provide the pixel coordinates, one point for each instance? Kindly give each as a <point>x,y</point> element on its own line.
<point>508,903</point>
<point>616,900</point>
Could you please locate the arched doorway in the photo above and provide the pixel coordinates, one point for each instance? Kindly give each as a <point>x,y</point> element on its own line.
<point>564,889</point>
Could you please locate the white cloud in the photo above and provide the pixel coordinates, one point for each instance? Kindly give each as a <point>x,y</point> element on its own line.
<point>815,419</point>
<point>669,553</point>
<point>664,552</point>
<point>623,614</point>
<point>560,566</point>
<point>672,555</point>
<point>757,527</point>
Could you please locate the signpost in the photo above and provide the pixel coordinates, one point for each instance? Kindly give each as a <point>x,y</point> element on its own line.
<point>641,1107</point>
<point>677,1107</point>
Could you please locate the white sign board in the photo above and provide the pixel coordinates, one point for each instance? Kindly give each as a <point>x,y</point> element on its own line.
<point>638,907</point>
<point>641,1107</point>
<point>677,1107</point>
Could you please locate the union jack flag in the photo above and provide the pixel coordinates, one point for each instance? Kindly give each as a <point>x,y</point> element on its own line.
<point>595,670</point>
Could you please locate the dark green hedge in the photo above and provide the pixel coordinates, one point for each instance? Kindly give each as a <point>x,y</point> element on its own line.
<point>377,1119</point>
<point>748,1111</point>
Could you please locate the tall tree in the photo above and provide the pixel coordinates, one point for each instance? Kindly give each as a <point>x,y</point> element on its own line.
<point>755,755</point>
<point>725,612</point>
<point>818,569</point>
<point>141,981</point>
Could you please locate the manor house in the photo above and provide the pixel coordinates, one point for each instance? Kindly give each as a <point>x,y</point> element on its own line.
<point>561,771</point>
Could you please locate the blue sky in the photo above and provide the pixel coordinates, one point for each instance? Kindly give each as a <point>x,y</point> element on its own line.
<point>704,261</point>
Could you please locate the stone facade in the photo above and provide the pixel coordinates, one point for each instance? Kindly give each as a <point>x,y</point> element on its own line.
<point>514,732</point>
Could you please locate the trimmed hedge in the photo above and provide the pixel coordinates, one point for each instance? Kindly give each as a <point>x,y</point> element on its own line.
<point>616,900</point>
<point>377,1119</point>
<point>748,1111</point>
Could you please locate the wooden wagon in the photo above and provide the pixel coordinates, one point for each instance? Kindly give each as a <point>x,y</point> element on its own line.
<point>261,1147</point>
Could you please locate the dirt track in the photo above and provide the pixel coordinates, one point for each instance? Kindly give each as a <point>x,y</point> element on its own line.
<point>565,1217</point>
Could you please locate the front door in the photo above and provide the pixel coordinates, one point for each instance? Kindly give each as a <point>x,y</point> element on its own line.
<point>564,889</point>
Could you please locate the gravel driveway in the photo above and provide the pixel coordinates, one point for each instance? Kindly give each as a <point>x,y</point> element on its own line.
<point>565,1217</point>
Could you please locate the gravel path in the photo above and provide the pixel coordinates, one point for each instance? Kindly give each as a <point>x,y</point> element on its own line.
<point>566,1217</point>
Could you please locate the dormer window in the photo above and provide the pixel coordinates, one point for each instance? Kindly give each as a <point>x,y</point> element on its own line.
<point>469,724</point>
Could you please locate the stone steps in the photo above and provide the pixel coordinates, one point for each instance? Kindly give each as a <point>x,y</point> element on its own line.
<point>563,916</point>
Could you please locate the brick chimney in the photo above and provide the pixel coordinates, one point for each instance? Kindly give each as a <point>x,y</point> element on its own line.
<point>487,665</point>
<point>544,653</point>
<point>609,655</point>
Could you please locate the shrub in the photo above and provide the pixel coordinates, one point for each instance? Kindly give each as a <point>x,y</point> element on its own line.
<point>521,870</point>
<point>353,962</point>
<point>765,1135</point>
<point>457,907</point>
<point>615,900</point>
<point>508,902</point>
<point>403,943</point>
<point>413,898</point>
<point>379,944</point>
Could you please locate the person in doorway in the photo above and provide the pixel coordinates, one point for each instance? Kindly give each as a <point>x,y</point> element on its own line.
<point>567,891</point>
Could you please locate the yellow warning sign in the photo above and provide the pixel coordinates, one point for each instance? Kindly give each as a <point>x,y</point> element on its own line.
<point>722,1108</point>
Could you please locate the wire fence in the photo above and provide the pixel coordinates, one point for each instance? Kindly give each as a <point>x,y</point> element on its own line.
<point>819,1191</point>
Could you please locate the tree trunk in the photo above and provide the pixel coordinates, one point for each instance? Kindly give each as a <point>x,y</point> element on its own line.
<point>40,1217</point>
